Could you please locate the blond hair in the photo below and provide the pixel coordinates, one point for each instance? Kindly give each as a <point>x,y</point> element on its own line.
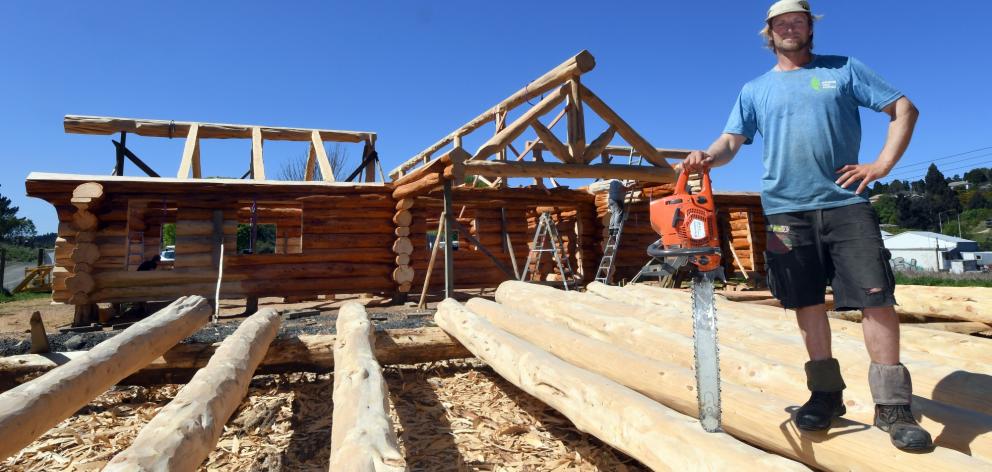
<point>766,32</point>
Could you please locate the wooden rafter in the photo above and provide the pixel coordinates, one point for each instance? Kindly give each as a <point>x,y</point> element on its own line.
<point>513,130</point>
<point>577,65</point>
<point>551,142</point>
<point>598,145</point>
<point>626,131</point>
<point>548,169</point>
<point>167,129</point>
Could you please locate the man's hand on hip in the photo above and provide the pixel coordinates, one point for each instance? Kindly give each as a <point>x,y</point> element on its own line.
<point>696,161</point>
<point>866,173</point>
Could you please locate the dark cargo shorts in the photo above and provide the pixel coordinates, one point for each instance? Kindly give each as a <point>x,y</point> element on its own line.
<point>841,247</point>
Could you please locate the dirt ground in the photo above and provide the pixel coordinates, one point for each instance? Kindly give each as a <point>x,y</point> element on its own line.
<point>450,416</point>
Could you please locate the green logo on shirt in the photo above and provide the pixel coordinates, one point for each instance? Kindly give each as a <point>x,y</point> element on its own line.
<point>815,83</point>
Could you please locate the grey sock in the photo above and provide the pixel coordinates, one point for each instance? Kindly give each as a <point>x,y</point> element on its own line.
<point>890,384</point>
<point>824,376</point>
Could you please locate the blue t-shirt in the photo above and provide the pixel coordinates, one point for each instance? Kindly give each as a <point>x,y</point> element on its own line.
<point>811,127</point>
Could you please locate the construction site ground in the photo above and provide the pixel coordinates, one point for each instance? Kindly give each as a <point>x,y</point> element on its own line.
<point>449,416</point>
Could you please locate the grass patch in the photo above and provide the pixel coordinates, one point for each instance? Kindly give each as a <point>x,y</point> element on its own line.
<point>24,296</point>
<point>944,279</point>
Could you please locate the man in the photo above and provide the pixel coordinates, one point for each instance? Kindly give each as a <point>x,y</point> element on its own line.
<point>821,227</point>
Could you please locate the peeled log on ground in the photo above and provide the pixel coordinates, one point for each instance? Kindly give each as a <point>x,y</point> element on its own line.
<point>748,414</point>
<point>954,303</point>
<point>362,435</point>
<point>27,411</point>
<point>965,352</point>
<point>186,430</point>
<point>309,353</point>
<point>758,358</point>
<point>640,427</point>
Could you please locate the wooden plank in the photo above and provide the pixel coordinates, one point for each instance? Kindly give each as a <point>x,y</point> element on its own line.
<point>317,149</point>
<point>168,129</point>
<point>576,65</point>
<point>191,153</point>
<point>257,163</point>
<point>548,169</point>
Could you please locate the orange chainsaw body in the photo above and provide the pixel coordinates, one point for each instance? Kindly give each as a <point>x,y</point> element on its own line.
<point>688,221</point>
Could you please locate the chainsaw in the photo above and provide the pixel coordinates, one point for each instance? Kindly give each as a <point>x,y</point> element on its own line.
<point>688,227</point>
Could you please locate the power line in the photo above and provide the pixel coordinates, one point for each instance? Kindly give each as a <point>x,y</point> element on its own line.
<point>927,164</point>
<point>897,171</point>
<point>922,174</point>
<point>928,161</point>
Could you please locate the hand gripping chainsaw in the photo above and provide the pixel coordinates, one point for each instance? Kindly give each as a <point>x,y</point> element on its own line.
<point>688,227</point>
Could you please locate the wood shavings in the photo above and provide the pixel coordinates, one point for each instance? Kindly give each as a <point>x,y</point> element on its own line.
<point>450,416</point>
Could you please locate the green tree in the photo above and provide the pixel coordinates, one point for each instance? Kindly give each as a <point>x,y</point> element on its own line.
<point>13,228</point>
<point>888,212</point>
<point>979,201</point>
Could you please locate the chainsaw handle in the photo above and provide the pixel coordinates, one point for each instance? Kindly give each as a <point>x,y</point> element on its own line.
<point>683,180</point>
<point>657,250</point>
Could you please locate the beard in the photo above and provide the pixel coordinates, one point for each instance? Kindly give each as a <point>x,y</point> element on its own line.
<point>793,45</point>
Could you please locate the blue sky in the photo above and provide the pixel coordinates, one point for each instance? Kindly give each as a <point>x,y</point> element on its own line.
<point>414,71</point>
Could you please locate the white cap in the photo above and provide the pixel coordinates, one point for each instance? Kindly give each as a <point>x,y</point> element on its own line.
<point>782,7</point>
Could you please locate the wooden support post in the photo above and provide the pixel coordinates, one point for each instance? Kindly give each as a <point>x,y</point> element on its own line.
<point>648,431</point>
<point>449,257</point>
<point>362,435</point>
<point>317,148</point>
<point>29,410</point>
<point>257,163</point>
<point>119,165</point>
<point>441,226</point>
<point>367,150</point>
<point>507,243</point>
<point>184,432</point>
<point>576,122</point>
<point>191,154</point>
<point>39,339</point>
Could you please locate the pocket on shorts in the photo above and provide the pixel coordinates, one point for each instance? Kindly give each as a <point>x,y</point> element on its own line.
<point>890,277</point>
<point>777,276</point>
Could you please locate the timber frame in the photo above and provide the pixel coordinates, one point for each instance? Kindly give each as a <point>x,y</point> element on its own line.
<point>193,132</point>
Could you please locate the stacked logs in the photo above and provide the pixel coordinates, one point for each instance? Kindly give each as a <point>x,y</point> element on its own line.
<point>331,237</point>
<point>432,175</point>
<point>740,222</point>
<point>79,284</point>
<point>640,337</point>
<point>402,247</point>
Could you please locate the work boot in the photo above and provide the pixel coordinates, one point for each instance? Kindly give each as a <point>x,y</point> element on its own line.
<point>827,401</point>
<point>904,431</point>
<point>892,391</point>
<point>820,410</point>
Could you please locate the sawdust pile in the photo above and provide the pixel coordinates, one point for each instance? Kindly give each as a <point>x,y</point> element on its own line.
<point>450,416</point>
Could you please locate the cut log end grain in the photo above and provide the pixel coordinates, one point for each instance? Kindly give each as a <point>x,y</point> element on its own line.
<point>402,246</point>
<point>403,274</point>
